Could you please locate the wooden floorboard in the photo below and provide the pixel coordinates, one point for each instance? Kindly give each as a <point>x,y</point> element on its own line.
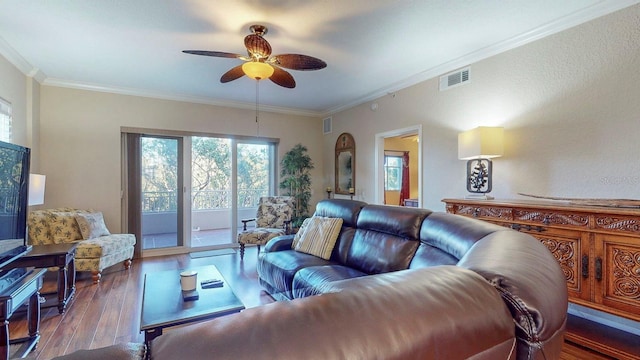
<point>109,313</point>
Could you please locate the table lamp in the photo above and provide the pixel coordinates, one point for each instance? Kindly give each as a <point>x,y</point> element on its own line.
<point>479,146</point>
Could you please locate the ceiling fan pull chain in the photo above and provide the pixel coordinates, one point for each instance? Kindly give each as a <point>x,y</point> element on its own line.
<point>257,110</point>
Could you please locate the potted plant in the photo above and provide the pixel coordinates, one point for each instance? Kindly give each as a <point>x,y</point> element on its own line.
<point>295,170</point>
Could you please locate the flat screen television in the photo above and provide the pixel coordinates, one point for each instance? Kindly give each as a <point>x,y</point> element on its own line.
<point>15,161</point>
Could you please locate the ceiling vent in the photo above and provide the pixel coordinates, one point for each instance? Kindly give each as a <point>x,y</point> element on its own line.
<point>326,125</point>
<point>455,78</point>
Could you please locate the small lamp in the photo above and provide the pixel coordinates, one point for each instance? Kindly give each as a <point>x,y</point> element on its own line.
<point>479,146</point>
<point>36,189</point>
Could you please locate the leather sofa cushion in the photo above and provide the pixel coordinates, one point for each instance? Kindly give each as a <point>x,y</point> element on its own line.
<point>387,319</point>
<point>278,268</point>
<point>347,210</point>
<point>454,234</point>
<point>312,280</point>
<point>386,238</point>
<point>428,255</point>
<point>373,252</point>
<point>394,220</point>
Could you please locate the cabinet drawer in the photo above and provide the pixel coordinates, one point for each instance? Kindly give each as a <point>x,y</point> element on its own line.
<point>618,224</point>
<point>482,212</point>
<point>551,218</point>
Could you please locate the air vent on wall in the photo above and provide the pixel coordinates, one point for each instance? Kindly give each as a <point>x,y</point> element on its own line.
<point>455,78</point>
<point>326,125</point>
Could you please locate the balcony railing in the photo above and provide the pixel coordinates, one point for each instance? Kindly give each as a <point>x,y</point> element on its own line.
<point>165,201</point>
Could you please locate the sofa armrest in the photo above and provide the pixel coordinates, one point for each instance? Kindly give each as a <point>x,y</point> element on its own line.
<point>531,284</point>
<point>123,351</point>
<point>245,221</point>
<point>279,243</point>
<point>443,312</point>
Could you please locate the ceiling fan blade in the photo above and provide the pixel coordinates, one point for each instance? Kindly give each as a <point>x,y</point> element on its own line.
<point>298,62</point>
<point>234,73</point>
<point>257,46</point>
<point>282,78</point>
<point>212,53</point>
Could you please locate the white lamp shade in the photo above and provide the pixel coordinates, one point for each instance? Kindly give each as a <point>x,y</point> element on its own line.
<point>481,142</point>
<point>36,189</point>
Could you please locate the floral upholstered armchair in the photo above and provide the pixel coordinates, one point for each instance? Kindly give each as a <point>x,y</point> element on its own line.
<point>97,248</point>
<point>273,218</point>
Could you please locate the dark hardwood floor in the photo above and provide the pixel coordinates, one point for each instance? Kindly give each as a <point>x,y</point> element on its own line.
<point>109,313</point>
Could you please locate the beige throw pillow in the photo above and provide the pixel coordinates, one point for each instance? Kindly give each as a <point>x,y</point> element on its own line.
<point>319,236</point>
<point>301,230</point>
<point>92,225</point>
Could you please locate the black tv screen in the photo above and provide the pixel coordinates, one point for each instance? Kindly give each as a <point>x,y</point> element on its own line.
<point>14,192</point>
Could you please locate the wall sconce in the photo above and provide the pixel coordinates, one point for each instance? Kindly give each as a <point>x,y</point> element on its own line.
<point>479,146</point>
<point>36,189</point>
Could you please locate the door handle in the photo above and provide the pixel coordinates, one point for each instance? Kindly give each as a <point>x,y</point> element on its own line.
<point>599,269</point>
<point>585,266</point>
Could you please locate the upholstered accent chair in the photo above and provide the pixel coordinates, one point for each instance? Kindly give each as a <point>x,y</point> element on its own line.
<point>97,248</point>
<point>273,218</point>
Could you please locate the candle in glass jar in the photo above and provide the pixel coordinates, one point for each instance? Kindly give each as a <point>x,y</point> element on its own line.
<point>352,191</point>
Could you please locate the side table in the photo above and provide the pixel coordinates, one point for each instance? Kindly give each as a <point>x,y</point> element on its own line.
<point>12,298</point>
<point>58,255</point>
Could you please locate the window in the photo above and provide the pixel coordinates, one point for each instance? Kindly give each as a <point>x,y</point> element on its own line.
<point>392,172</point>
<point>5,120</point>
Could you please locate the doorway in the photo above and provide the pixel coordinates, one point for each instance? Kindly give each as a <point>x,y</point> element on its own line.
<point>389,147</point>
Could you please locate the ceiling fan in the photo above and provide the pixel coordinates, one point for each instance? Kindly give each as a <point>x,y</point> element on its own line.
<point>260,64</point>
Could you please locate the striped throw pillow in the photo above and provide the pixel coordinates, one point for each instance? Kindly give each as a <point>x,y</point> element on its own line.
<point>319,237</point>
<point>301,230</point>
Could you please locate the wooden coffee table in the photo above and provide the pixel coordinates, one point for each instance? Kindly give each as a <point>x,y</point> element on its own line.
<point>163,306</point>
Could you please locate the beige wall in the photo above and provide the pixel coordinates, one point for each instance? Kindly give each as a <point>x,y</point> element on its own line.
<point>13,88</point>
<point>23,92</point>
<point>568,103</point>
<point>80,138</point>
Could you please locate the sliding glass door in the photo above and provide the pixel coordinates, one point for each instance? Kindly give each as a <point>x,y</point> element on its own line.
<point>255,178</point>
<point>211,191</point>
<point>161,184</point>
<point>193,191</point>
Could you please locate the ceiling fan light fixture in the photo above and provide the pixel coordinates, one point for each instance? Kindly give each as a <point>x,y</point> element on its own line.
<point>257,70</point>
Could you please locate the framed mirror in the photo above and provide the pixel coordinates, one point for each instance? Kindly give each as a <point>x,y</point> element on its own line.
<point>345,165</point>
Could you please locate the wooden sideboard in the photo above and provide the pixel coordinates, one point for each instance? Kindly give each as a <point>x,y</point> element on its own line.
<point>598,248</point>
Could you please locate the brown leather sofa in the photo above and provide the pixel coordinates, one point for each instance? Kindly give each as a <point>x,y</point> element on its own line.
<point>402,283</point>
<point>377,239</point>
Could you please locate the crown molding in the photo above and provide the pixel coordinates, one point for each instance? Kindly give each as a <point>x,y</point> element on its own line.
<point>176,97</point>
<point>600,9</point>
<point>14,57</point>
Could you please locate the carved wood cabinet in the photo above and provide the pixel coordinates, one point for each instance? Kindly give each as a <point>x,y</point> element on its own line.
<point>598,248</point>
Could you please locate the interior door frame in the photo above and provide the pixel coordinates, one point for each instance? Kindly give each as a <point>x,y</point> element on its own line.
<point>379,160</point>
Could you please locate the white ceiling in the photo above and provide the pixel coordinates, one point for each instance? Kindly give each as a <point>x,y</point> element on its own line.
<point>372,47</point>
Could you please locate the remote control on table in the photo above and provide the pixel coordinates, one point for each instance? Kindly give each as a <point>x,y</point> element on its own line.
<point>211,283</point>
